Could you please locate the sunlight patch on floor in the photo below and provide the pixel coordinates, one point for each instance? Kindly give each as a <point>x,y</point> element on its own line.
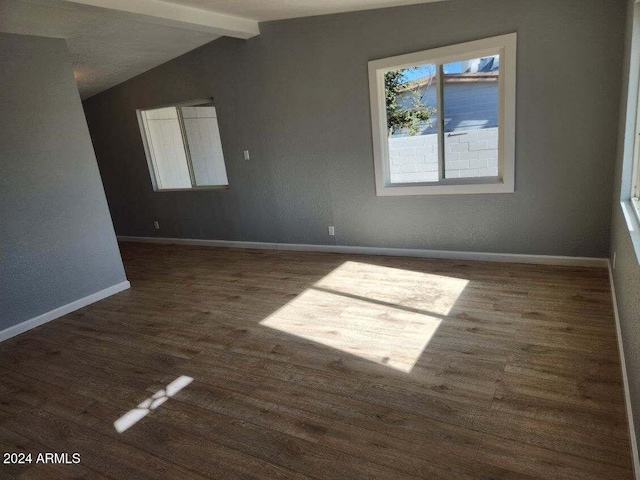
<point>382,314</point>
<point>133,416</point>
<point>404,288</point>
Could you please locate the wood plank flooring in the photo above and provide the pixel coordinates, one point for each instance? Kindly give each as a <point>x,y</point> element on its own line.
<point>321,366</point>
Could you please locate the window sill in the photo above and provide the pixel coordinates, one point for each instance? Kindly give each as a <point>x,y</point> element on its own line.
<point>191,189</point>
<point>631,213</point>
<point>473,186</point>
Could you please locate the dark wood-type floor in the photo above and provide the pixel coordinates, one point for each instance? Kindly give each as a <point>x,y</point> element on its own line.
<point>309,365</point>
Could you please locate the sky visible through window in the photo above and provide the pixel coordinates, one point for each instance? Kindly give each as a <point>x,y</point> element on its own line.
<point>422,71</point>
<point>426,70</point>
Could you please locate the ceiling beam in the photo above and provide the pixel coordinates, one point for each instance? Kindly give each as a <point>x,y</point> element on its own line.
<point>179,16</point>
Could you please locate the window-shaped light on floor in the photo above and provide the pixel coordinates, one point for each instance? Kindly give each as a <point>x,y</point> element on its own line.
<point>382,314</point>
<point>134,415</point>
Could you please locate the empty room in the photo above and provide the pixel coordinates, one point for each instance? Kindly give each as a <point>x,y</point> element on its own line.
<point>319,239</point>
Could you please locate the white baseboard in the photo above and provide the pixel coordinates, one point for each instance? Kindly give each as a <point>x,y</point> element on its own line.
<point>59,312</point>
<point>393,252</point>
<point>625,381</point>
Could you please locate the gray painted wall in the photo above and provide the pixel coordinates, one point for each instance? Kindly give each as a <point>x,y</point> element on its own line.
<point>626,274</point>
<point>57,242</point>
<point>297,97</point>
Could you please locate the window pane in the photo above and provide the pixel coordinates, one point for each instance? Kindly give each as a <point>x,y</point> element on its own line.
<point>166,147</point>
<point>205,146</point>
<point>470,104</point>
<point>411,103</point>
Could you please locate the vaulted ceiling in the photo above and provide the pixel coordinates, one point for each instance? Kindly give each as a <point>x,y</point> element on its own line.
<point>262,10</point>
<point>111,41</point>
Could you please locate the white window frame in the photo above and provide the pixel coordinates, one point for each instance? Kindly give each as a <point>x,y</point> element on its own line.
<point>505,46</point>
<point>635,175</point>
<point>630,175</point>
<point>635,187</point>
<point>635,84</point>
<point>151,160</point>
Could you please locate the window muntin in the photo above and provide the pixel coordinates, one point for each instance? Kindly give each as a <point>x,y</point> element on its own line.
<point>456,132</point>
<point>183,147</point>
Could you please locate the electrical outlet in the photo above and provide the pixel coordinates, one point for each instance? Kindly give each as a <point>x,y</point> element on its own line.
<point>245,153</point>
<point>614,260</point>
<point>332,230</point>
<point>156,224</point>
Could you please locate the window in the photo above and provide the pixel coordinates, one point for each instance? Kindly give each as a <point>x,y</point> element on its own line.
<point>635,191</point>
<point>635,171</point>
<point>443,120</point>
<point>183,146</point>
<point>630,174</point>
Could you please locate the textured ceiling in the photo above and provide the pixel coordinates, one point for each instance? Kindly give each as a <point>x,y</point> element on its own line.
<point>106,48</point>
<point>264,10</point>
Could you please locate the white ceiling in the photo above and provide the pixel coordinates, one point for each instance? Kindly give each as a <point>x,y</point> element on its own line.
<point>105,49</point>
<point>111,41</point>
<point>265,10</point>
